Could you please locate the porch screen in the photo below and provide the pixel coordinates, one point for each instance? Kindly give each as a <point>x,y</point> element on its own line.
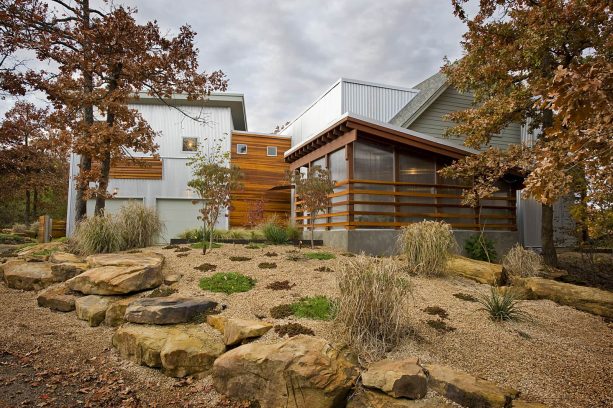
<point>373,163</point>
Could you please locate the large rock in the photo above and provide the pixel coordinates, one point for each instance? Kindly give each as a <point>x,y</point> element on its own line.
<point>479,271</point>
<point>235,331</point>
<point>218,322</point>
<point>467,390</point>
<point>117,280</point>
<point>375,399</point>
<point>167,310</point>
<point>40,252</point>
<point>92,309</point>
<point>143,259</point>
<point>28,275</point>
<point>57,297</point>
<point>67,270</point>
<point>64,257</point>
<point>398,378</point>
<point>115,313</point>
<point>302,371</point>
<point>178,350</point>
<point>591,300</point>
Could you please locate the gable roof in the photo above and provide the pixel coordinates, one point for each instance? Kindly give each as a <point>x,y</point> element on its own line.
<point>429,90</point>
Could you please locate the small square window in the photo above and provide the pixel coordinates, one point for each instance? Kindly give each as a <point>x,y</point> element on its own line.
<point>190,144</point>
<point>271,150</point>
<point>241,148</point>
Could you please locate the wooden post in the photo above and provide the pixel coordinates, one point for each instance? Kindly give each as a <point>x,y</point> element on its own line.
<point>45,225</point>
<point>349,153</point>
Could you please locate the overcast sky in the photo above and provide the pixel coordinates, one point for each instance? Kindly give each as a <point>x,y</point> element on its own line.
<point>283,54</point>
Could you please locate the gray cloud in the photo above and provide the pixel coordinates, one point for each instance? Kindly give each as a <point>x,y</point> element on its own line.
<point>283,54</point>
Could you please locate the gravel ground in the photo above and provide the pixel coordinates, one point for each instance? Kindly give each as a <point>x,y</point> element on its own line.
<point>560,357</point>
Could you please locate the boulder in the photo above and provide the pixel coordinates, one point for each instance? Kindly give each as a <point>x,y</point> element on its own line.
<point>167,310</point>
<point>66,270</point>
<point>591,300</point>
<point>115,313</point>
<point>116,280</point>
<point>479,271</point>
<point>143,259</point>
<point>172,279</point>
<point>217,322</point>
<point>235,331</point>
<point>40,252</point>
<point>92,309</point>
<point>178,350</point>
<point>28,275</point>
<point>398,378</point>
<point>302,371</point>
<point>64,257</point>
<point>57,297</point>
<point>467,390</point>
<point>376,399</point>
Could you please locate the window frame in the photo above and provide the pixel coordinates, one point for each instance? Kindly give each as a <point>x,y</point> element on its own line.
<point>183,144</point>
<point>242,144</point>
<point>272,155</point>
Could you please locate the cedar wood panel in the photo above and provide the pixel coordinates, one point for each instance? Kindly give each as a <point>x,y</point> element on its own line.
<point>260,174</point>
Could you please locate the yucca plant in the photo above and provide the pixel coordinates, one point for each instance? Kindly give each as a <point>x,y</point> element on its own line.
<point>502,306</point>
<point>428,245</point>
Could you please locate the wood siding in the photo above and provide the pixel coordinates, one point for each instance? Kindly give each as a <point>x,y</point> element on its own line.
<point>261,173</point>
<point>145,168</point>
<point>431,121</point>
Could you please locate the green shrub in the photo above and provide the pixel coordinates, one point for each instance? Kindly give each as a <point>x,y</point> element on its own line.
<point>293,233</point>
<point>316,307</point>
<point>481,248</point>
<point>227,282</point>
<point>428,245</point>
<point>371,312</point>
<point>522,263</point>
<point>97,234</point>
<point>255,245</point>
<point>322,256</point>
<point>274,232</point>
<point>502,306</point>
<point>199,234</point>
<point>139,225</point>
<point>200,245</point>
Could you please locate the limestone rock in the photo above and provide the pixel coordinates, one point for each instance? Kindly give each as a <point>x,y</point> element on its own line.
<point>66,270</point>
<point>591,300</point>
<point>172,279</point>
<point>167,310</point>
<point>143,259</point>
<point>217,322</point>
<point>115,313</point>
<point>39,252</point>
<point>178,350</point>
<point>376,399</point>
<point>320,375</point>
<point>28,275</point>
<point>57,297</point>
<point>467,390</point>
<point>92,309</point>
<point>398,378</point>
<point>479,271</point>
<point>237,330</point>
<point>64,257</point>
<point>116,280</point>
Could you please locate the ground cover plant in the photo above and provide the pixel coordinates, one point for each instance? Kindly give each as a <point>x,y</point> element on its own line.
<point>315,307</point>
<point>200,245</point>
<point>371,312</point>
<point>274,233</point>
<point>293,329</point>
<point>321,256</point>
<point>227,282</point>
<point>502,306</point>
<point>271,254</point>
<point>295,256</point>
<point>267,265</point>
<point>427,245</point>
<point>522,263</point>
<point>481,248</point>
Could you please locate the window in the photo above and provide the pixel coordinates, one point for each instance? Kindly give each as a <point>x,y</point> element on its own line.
<point>271,150</point>
<point>241,148</point>
<point>190,144</point>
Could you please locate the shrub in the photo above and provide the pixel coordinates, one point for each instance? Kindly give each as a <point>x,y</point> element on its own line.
<point>293,233</point>
<point>199,234</point>
<point>274,232</point>
<point>371,311</point>
<point>481,248</point>
<point>199,245</point>
<point>322,256</point>
<point>227,282</point>
<point>98,234</point>
<point>428,245</point>
<point>316,307</point>
<point>502,306</point>
<point>522,263</point>
<point>139,225</point>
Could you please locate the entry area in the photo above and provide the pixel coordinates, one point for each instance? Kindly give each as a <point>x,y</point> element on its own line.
<point>177,215</point>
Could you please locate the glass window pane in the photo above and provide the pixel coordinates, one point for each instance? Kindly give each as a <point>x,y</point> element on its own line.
<point>271,150</point>
<point>413,168</point>
<point>241,148</point>
<point>190,144</point>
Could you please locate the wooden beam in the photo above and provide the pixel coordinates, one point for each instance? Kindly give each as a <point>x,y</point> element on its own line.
<point>327,148</point>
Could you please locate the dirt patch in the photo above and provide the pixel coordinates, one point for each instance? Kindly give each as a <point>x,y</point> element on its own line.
<point>280,285</point>
<point>466,297</point>
<point>267,265</point>
<point>271,254</point>
<point>205,267</point>
<point>440,326</point>
<point>436,311</point>
<point>281,311</point>
<point>293,329</point>
<point>240,258</point>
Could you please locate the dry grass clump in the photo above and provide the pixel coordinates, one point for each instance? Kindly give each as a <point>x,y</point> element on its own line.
<point>140,225</point>
<point>522,263</point>
<point>94,235</point>
<point>428,245</point>
<point>372,312</point>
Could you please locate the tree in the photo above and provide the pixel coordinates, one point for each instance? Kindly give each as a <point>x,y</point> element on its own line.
<point>214,180</point>
<point>546,64</point>
<point>312,189</point>
<point>29,162</point>
<point>104,60</point>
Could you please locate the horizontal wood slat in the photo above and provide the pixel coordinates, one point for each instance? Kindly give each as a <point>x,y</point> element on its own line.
<point>146,168</point>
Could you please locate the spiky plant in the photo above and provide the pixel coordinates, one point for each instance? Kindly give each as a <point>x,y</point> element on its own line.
<point>502,305</point>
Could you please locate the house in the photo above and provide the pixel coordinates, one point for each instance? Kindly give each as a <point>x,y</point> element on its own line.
<point>161,182</point>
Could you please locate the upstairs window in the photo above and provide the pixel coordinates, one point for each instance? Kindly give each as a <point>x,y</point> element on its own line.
<point>271,151</point>
<point>241,148</point>
<point>190,144</point>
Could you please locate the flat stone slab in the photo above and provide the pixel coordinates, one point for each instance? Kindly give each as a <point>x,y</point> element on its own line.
<point>467,390</point>
<point>92,309</point>
<point>235,331</point>
<point>32,252</point>
<point>117,280</point>
<point>167,310</point>
<point>65,257</point>
<point>397,378</point>
<point>178,350</point>
<point>143,259</point>
<point>57,297</point>
<point>116,311</point>
<point>28,275</point>
<point>376,399</point>
<point>67,270</point>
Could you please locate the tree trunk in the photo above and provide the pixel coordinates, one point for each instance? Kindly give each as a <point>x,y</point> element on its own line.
<point>204,238</point>
<point>85,165</point>
<point>35,204</point>
<point>26,218</point>
<point>211,237</point>
<point>312,230</point>
<point>549,250</point>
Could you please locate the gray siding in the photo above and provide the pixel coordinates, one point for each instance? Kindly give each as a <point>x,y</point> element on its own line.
<point>431,121</point>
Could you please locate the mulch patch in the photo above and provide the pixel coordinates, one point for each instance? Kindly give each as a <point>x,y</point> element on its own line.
<point>280,285</point>
<point>281,311</point>
<point>293,329</point>
<point>205,267</point>
<point>267,265</point>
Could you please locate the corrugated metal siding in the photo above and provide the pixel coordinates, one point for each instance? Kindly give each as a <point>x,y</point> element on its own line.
<point>432,123</point>
<point>376,102</point>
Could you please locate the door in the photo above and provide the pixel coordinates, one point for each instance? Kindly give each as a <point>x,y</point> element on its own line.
<point>177,215</point>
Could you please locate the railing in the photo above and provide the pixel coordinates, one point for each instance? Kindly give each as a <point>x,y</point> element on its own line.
<point>383,204</point>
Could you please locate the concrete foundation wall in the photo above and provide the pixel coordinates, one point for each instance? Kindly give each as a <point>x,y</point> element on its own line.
<point>383,241</point>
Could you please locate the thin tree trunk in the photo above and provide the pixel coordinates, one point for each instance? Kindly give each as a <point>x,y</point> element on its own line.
<point>549,250</point>
<point>312,230</point>
<point>35,204</point>
<point>211,238</point>
<point>26,218</point>
<point>204,238</point>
